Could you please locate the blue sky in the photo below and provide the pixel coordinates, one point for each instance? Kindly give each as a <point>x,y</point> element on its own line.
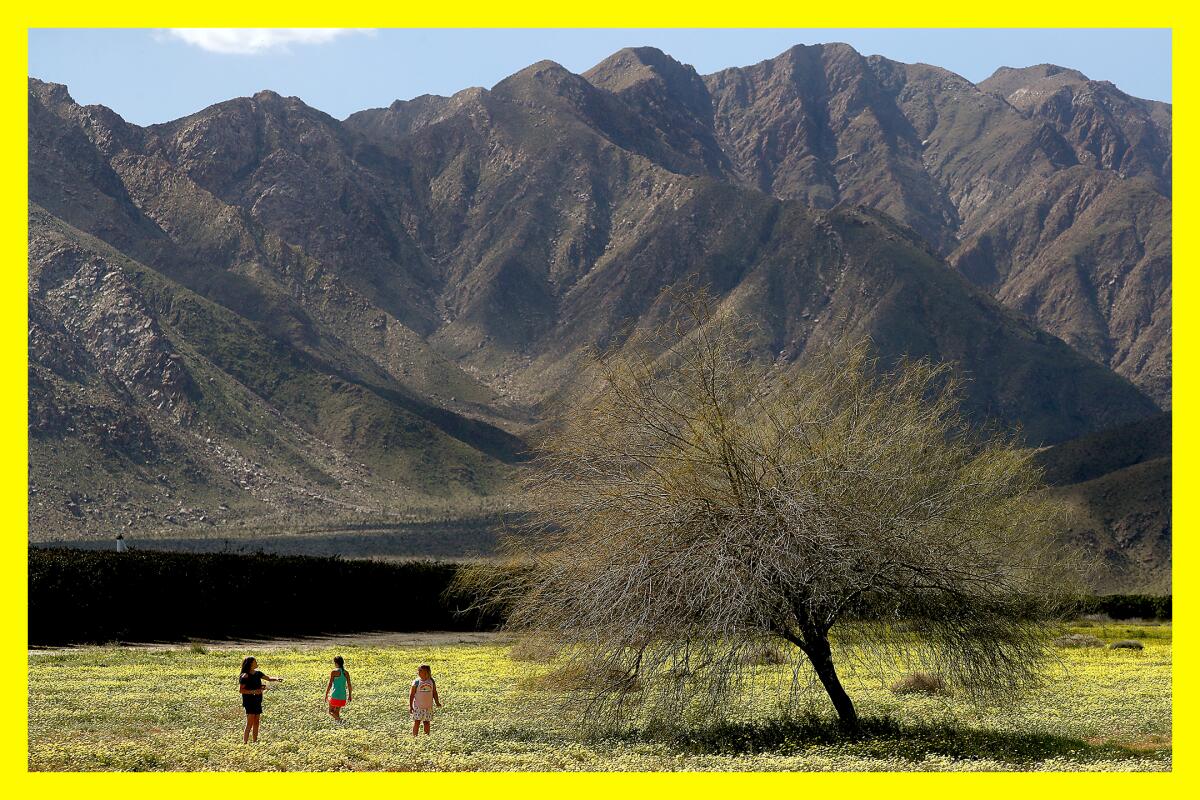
<point>154,75</point>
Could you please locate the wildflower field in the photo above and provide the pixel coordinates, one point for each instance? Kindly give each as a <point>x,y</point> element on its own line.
<point>177,708</point>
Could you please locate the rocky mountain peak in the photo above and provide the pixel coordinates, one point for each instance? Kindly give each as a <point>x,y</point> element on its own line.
<point>403,117</point>
<point>548,85</point>
<point>1016,77</point>
<point>670,95</point>
<point>49,93</point>
<point>1106,127</point>
<point>545,75</point>
<point>633,65</point>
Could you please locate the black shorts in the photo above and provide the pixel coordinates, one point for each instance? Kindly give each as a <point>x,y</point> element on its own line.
<point>252,703</point>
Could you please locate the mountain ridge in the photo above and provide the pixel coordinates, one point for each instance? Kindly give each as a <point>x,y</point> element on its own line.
<point>953,159</point>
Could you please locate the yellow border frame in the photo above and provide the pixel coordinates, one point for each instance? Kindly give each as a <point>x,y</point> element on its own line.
<point>542,13</point>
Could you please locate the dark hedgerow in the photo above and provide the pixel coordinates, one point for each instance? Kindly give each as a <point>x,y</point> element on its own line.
<point>1128,606</point>
<point>78,596</point>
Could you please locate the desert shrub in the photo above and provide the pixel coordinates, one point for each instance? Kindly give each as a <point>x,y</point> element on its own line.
<point>1078,640</point>
<point>576,676</point>
<point>534,649</point>
<point>1126,644</point>
<point>764,655</point>
<point>198,648</point>
<point>1126,607</point>
<point>919,683</point>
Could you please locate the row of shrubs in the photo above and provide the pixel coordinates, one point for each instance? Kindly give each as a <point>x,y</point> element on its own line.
<point>81,596</point>
<point>1129,606</point>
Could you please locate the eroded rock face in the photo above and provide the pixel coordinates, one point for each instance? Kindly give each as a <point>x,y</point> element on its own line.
<point>150,406</point>
<point>1106,127</point>
<point>1008,179</point>
<point>72,398</point>
<point>104,313</point>
<point>52,347</point>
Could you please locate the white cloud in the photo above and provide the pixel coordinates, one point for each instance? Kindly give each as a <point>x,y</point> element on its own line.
<point>251,41</point>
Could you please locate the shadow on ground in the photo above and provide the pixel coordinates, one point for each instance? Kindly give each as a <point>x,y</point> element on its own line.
<point>877,737</point>
<point>885,737</point>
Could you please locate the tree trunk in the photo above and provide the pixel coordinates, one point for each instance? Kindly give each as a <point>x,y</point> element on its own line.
<point>818,652</point>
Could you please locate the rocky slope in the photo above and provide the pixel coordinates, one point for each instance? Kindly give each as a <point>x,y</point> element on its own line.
<point>1118,483</point>
<point>1104,126</point>
<point>1049,190</point>
<point>153,408</point>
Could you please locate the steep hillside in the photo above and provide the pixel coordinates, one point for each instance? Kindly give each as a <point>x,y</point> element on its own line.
<point>1104,126</point>
<point>1051,191</point>
<point>1118,485</point>
<point>1106,451</point>
<point>1122,521</point>
<point>151,407</point>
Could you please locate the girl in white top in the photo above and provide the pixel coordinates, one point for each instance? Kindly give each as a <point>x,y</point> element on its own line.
<point>421,699</point>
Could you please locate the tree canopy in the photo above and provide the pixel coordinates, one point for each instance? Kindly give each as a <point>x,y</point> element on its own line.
<point>699,505</point>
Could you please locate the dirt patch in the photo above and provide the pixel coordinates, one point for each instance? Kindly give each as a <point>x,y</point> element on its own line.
<point>1154,741</point>
<point>369,639</point>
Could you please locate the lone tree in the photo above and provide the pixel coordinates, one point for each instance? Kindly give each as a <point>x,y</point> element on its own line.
<point>698,507</point>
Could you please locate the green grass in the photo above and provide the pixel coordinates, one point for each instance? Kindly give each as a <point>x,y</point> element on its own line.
<point>111,708</point>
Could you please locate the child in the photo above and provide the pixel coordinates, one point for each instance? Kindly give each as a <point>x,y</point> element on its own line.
<point>421,699</point>
<point>339,690</point>
<point>250,687</point>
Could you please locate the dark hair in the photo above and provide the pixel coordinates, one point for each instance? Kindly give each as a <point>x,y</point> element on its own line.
<point>341,662</point>
<point>246,664</point>
<point>425,667</point>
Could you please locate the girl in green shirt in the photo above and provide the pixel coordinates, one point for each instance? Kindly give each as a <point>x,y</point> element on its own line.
<point>339,690</point>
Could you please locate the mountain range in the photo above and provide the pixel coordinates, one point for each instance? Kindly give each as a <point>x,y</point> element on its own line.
<point>259,312</point>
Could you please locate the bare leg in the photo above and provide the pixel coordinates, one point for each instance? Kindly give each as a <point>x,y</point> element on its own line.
<point>246,733</point>
<point>416,726</point>
<point>426,727</point>
<point>336,713</point>
<point>254,727</point>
